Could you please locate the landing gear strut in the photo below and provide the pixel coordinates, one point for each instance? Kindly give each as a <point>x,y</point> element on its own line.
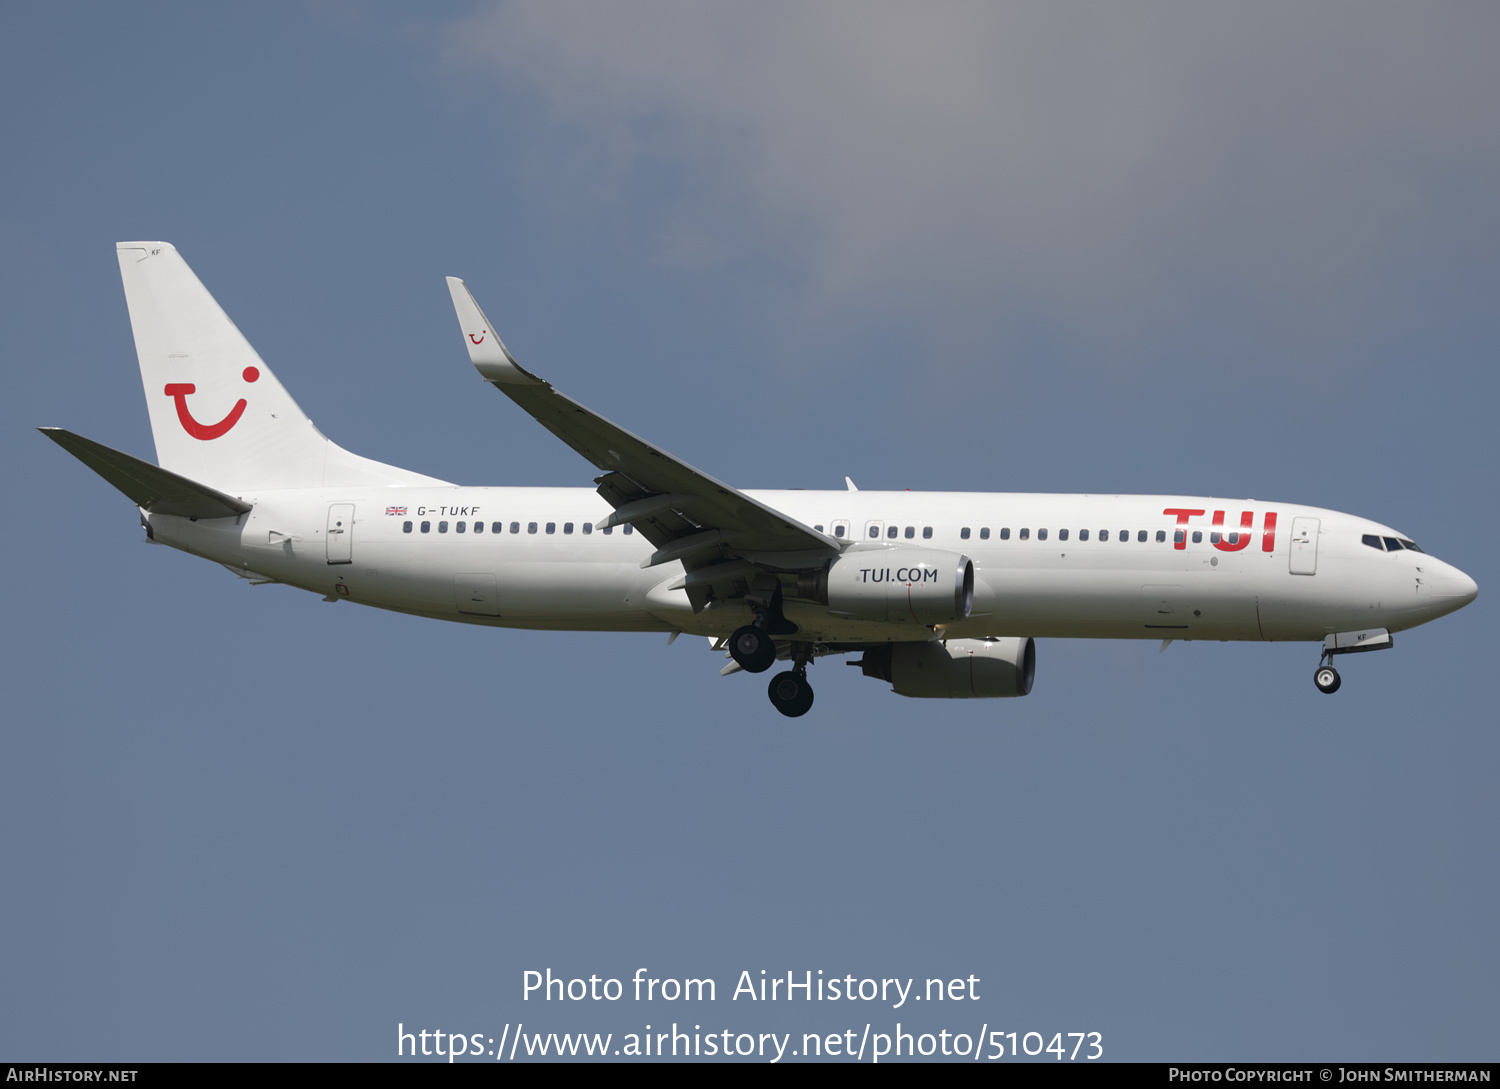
<point>790,693</point>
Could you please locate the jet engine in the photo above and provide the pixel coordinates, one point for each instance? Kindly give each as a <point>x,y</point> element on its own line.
<point>917,585</point>
<point>955,669</point>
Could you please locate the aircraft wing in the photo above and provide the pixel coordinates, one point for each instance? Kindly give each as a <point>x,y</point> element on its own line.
<point>685,513</point>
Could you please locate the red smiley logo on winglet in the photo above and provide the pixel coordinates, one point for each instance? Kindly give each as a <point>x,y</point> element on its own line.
<point>480,338</point>
<point>179,392</point>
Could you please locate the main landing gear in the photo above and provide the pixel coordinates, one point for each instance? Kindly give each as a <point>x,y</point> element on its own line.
<point>790,693</point>
<point>753,648</point>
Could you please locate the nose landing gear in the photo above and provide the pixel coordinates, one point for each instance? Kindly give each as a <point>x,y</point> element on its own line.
<point>1347,642</point>
<point>1327,679</point>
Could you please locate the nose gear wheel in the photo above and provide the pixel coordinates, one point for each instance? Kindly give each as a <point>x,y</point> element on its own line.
<point>1327,679</point>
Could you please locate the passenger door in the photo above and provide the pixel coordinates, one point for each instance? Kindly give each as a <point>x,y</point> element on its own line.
<point>1304,546</point>
<point>340,533</point>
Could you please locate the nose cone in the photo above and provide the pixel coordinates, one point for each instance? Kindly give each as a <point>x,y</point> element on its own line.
<point>1451,589</point>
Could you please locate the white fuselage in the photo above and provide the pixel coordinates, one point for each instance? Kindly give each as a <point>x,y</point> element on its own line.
<point>1092,566</point>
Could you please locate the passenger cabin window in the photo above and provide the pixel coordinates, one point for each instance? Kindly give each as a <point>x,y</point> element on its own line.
<point>1179,537</point>
<point>1025,534</point>
<point>1197,536</point>
<point>459,527</point>
<point>1161,536</point>
<point>405,527</point>
<point>838,530</point>
<point>893,530</point>
<point>478,527</point>
<point>608,530</point>
<point>1213,537</point>
<point>1062,534</point>
<point>1041,535</point>
<point>629,529</point>
<point>1004,533</point>
<point>1125,536</point>
<point>818,528</point>
<point>497,527</point>
<point>1103,534</point>
<point>964,533</point>
<point>426,527</point>
<point>567,527</point>
<point>551,527</point>
<point>1083,534</point>
<point>442,527</point>
<point>1141,537</point>
<point>926,533</point>
<point>911,531</point>
<point>530,527</point>
<point>588,527</point>
<point>515,527</point>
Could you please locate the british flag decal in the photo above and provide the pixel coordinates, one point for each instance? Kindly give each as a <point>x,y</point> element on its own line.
<point>396,511</point>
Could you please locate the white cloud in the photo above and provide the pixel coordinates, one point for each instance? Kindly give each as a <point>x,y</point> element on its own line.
<point>1109,174</point>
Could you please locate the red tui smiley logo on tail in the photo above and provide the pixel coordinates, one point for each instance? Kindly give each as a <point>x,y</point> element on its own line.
<point>179,392</point>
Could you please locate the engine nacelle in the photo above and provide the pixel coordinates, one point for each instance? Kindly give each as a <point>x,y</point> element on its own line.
<point>914,585</point>
<point>955,669</point>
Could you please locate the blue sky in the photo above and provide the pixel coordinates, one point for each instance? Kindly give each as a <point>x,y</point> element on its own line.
<point>1212,250</point>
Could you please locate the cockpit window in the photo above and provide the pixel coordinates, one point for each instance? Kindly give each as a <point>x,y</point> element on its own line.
<point>1389,544</point>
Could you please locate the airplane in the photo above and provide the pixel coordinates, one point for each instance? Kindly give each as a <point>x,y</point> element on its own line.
<point>943,594</point>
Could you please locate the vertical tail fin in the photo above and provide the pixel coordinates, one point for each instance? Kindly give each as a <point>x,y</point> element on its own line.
<point>218,414</point>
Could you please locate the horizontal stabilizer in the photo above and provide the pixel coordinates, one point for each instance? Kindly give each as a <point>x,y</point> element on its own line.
<point>148,486</point>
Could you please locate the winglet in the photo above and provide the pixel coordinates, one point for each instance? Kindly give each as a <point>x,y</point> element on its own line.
<point>486,351</point>
<point>849,482</point>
